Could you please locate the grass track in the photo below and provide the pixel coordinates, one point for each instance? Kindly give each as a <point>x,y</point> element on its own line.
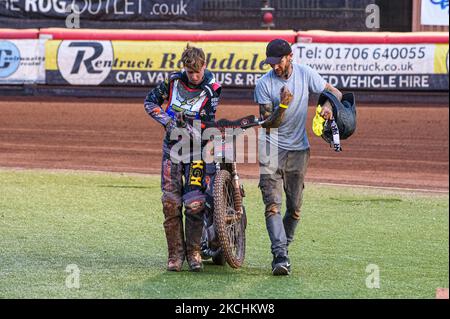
<point>110,226</point>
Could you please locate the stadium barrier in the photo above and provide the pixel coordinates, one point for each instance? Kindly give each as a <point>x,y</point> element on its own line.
<point>22,57</point>
<point>142,58</point>
<point>169,35</point>
<point>321,36</point>
<point>377,61</point>
<point>17,34</point>
<point>145,58</point>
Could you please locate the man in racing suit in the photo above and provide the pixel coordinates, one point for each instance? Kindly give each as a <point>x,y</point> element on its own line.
<point>192,93</point>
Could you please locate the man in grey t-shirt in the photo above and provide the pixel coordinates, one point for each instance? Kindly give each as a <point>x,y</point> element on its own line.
<point>282,95</point>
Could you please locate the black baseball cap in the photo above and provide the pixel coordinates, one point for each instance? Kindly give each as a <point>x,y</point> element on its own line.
<point>276,50</point>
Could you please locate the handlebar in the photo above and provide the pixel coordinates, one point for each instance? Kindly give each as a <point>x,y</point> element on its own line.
<point>242,123</point>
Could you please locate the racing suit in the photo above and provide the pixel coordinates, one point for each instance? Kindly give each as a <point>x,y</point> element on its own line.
<point>199,103</point>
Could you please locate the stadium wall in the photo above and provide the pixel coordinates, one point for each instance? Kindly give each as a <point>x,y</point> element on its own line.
<point>135,60</point>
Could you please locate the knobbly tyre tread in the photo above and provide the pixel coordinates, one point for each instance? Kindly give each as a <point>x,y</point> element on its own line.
<point>223,178</point>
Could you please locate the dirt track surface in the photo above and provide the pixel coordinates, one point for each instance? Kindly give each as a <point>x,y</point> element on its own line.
<point>394,146</point>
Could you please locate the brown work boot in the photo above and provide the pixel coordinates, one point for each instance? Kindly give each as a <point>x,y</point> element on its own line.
<point>194,230</point>
<point>195,261</point>
<point>193,246</point>
<point>173,227</point>
<point>174,264</point>
<point>176,254</point>
<point>176,249</point>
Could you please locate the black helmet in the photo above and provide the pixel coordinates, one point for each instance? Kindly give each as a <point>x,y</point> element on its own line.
<point>344,114</point>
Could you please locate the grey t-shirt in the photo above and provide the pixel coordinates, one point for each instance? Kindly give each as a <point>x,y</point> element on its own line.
<point>292,131</point>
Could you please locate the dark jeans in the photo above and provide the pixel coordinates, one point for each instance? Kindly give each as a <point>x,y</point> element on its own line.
<point>289,176</point>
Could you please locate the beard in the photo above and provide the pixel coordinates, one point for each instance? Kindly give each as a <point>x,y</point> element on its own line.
<point>287,70</point>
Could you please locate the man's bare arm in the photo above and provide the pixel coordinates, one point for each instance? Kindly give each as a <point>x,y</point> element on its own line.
<point>265,110</point>
<point>273,119</point>
<point>334,91</point>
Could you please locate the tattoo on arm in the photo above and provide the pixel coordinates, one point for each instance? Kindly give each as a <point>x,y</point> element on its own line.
<point>273,118</point>
<point>265,110</point>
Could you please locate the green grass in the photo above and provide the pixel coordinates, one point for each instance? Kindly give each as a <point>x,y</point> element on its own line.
<point>110,226</point>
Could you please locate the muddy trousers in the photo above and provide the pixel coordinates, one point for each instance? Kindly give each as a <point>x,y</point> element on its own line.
<point>287,175</point>
<point>182,185</point>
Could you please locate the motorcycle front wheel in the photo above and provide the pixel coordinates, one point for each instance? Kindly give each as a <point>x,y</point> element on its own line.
<point>229,223</point>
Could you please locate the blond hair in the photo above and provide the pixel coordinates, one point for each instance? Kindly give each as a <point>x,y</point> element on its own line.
<point>193,58</point>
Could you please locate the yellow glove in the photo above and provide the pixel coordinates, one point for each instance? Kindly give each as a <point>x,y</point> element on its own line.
<point>318,122</point>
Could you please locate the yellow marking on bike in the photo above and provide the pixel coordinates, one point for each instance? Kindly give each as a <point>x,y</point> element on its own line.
<point>196,173</point>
